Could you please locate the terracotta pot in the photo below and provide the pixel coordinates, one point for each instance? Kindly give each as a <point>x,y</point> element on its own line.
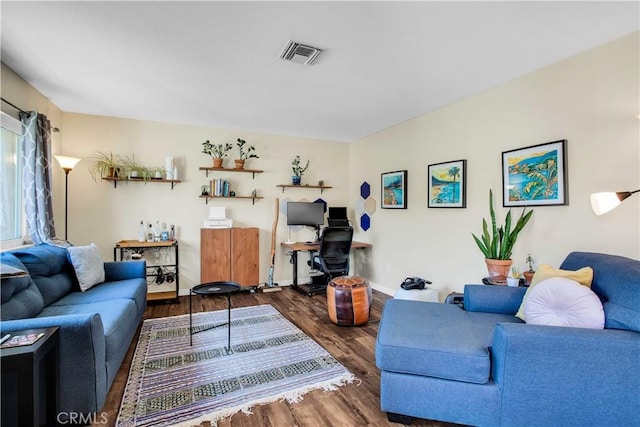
<point>528,276</point>
<point>498,269</point>
<point>217,162</point>
<point>239,164</point>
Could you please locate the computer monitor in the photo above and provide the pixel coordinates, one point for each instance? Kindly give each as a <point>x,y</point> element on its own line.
<point>305,213</point>
<point>337,216</point>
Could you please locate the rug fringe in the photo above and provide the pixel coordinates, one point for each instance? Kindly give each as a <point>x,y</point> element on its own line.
<point>292,396</point>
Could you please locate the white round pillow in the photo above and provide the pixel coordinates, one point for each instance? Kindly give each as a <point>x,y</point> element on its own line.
<point>558,301</point>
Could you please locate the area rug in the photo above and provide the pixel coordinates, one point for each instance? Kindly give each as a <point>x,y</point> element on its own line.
<point>171,383</point>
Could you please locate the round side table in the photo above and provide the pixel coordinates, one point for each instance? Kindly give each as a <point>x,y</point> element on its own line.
<point>213,288</point>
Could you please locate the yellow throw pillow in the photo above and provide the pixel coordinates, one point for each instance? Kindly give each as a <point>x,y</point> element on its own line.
<point>584,276</point>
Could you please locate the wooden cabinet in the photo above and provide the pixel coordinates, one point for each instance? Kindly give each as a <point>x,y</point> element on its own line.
<point>230,254</point>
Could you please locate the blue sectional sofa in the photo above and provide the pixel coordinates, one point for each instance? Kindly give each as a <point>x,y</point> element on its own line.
<point>480,365</point>
<point>96,326</point>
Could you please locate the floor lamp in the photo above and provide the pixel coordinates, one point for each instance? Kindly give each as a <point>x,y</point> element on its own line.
<point>66,163</point>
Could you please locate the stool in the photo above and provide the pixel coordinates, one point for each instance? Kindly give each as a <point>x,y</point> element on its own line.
<point>426,294</point>
<point>349,300</point>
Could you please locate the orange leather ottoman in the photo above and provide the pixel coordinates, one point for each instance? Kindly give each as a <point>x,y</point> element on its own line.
<point>349,300</point>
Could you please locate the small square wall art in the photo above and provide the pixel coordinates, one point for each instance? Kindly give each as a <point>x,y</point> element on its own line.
<point>447,184</point>
<point>394,190</point>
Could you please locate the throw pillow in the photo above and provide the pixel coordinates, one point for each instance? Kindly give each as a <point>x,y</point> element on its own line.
<point>563,302</point>
<point>88,265</point>
<point>584,276</point>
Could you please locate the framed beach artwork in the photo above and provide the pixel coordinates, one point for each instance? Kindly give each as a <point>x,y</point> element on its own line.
<point>447,184</point>
<point>535,175</point>
<point>394,190</point>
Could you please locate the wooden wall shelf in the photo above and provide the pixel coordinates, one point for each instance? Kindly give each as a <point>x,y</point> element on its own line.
<point>253,198</point>
<point>251,171</point>
<point>115,180</point>
<point>321,187</point>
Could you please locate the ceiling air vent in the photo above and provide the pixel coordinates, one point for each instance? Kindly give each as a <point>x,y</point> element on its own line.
<point>300,53</point>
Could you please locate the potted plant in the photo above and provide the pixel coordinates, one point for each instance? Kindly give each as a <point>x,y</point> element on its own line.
<point>216,151</point>
<point>497,244</point>
<point>244,155</point>
<point>528,275</point>
<point>298,171</point>
<point>133,170</point>
<point>158,172</point>
<point>105,165</point>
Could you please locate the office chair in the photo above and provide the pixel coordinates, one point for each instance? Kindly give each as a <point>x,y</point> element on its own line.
<point>333,256</point>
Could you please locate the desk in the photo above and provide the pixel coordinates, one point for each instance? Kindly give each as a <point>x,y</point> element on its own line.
<point>296,247</point>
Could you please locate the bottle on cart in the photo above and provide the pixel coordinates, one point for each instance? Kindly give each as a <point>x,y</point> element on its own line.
<point>156,232</point>
<point>150,233</point>
<point>172,232</point>
<point>141,232</point>
<point>164,235</point>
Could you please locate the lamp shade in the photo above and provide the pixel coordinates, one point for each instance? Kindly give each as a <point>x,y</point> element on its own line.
<point>66,162</point>
<point>604,202</point>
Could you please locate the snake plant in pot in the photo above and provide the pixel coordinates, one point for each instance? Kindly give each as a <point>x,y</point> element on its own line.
<point>497,243</point>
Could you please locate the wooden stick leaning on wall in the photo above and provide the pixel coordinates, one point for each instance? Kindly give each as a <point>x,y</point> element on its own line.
<point>270,286</point>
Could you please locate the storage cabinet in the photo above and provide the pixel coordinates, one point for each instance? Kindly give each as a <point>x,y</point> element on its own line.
<point>230,254</point>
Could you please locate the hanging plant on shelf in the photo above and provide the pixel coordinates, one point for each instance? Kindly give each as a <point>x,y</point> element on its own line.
<point>244,155</point>
<point>298,170</point>
<point>216,151</point>
<point>105,165</point>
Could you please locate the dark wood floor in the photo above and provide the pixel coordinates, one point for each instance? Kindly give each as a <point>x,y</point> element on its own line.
<point>356,404</point>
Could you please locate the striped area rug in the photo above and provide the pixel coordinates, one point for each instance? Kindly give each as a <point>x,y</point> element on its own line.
<point>173,384</point>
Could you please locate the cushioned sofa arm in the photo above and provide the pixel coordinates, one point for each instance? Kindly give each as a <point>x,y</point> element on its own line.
<point>124,270</point>
<point>81,354</point>
<point>493,299</point>
<point>528,357</point>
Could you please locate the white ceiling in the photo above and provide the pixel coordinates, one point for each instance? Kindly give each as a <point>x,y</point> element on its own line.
<point>216,63</point>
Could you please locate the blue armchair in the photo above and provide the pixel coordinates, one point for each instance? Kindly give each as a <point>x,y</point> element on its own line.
<point>483,366</point>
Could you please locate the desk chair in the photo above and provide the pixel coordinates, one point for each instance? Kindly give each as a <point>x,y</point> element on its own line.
<point>333,255</point>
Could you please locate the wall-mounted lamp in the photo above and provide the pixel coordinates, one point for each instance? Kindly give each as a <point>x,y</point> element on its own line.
<point>604,202</point>
<point>67,164</point>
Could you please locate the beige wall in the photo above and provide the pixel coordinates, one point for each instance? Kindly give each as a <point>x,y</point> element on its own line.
<point>591,100</point>
<point>104,215</point>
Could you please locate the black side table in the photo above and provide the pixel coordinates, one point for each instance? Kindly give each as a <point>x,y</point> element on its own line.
<point>214,288</point>
<point>23,369</point>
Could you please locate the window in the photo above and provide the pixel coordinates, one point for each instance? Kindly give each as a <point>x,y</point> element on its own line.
<point>11,208</point>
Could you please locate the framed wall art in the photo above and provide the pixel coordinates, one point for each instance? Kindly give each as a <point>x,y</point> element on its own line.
<point>447,184</point>
<point>535,175</point>
<point>394,190</point>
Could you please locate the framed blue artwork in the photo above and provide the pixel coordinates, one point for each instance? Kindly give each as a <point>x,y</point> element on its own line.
<point>394,190</point>
<point>535,175</point>
<point>447,184</point>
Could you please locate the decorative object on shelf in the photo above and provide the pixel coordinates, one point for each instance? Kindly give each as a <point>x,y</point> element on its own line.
<point>604,202</point>
<point>528,275</point>
<point>232,194</point>
<point>497,246</point>
<point>168,167</point>
<point>204,190</point>
<point>105,165</point>
<point>216,151</point>
<point>244,155</point>
<point>67,164</point>
<point>535,175</point>
<point>394,190</point>
<point>298,170</point>
<point>158,173</point>
<point>447,184</point>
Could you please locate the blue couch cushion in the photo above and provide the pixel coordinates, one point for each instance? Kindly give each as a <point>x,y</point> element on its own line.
<point>19,296</point>
<point>437,340</point>
<point>49,269</point>
<point>117,317</point>
<point>134,289</point>
<point>616,280</point>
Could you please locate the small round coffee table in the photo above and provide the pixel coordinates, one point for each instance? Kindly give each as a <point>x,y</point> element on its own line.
<point>214,288</point>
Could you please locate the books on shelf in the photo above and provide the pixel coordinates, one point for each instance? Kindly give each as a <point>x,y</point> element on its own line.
<point>219,188</point>
<point>21,340</point>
